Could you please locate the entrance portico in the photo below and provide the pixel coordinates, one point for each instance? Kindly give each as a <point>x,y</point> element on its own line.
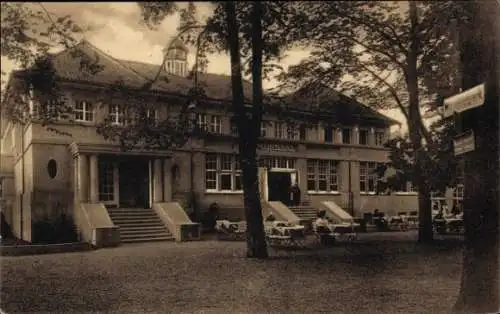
<point>275,183</point>
<point>121,179</point>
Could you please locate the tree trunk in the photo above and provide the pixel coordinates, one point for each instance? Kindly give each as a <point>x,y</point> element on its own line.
<point>479,289</point>
<point>248,136</point>
<point>425,233</point>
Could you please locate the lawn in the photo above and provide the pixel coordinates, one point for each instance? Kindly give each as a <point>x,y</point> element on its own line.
<point>382,274</point>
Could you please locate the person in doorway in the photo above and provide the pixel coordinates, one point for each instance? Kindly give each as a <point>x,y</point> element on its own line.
<point>295,194</point>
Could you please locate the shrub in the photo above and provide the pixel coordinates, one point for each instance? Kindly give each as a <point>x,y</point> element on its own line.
<point>5,230</point>
<point>57,230</point>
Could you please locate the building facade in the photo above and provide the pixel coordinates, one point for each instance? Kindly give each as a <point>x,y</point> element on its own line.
<point>46,173</point>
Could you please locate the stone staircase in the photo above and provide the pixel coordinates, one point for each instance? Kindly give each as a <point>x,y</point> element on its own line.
<point>139,225</point>
<point>304,212</point>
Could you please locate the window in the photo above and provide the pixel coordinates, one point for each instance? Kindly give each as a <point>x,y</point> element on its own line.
<point>49,110</point>
<point>52,168</point>
<point>322,175</point>
<point>328,134</point>
<point>346,136</point>
<point>106,181</point>
<point>222,173</point>
<point>277,162</point>
<point>148,116</point>
<point>116,115</point>
<point>84,111</point>
<point>234,128</point>
<point>201,121</point>
<point>379,138</point>
<point>408,187</point>
<point>263,129</point>
<point>211,172</point>
<point>278,130</point>
<point>303,132</point>
<point>152,115</point>
<point>215,125</point>
<point>367,177</point>
<point>363,137</point>
<point>291,133</point>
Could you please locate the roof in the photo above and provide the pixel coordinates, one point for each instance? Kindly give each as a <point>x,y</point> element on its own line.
<point>133,74</point>
<point>176,43</point>
<point>321,98</point>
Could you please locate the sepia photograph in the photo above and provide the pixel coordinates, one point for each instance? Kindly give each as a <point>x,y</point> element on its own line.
<point>250,157</point>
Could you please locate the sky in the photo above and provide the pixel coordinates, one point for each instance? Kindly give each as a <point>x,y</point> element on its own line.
<point>116,29</point>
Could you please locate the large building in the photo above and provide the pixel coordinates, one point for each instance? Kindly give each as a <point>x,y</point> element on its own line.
<point>332,155</point>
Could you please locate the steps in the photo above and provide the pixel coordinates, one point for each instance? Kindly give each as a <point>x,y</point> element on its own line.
<point>305,212</point>
<point>139,225</point>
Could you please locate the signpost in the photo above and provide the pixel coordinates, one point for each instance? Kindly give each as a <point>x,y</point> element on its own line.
<point>456,104</point>
<point>464,143</point>
<point>469,99</point>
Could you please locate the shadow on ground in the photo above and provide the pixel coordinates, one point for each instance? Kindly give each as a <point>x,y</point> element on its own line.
<point>373,276</point>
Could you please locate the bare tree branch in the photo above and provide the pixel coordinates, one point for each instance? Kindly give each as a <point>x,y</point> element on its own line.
<point>391,88</point>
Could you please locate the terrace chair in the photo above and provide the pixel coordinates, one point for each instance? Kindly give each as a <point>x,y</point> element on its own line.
<point>284,234</point>
<point>227,230</point>
<point>324,235</point>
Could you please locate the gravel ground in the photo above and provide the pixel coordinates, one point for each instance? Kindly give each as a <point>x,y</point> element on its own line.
<point>383,273</point>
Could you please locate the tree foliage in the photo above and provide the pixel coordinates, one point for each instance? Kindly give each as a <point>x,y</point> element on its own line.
<point>391,53</point>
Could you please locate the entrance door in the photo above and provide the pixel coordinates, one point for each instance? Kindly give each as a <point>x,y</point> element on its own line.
<point>134,183</point>
<point>279,184</point>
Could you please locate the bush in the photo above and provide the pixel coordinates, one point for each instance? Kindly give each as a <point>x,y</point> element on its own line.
<point>52,231</point>
<point>6,231</point>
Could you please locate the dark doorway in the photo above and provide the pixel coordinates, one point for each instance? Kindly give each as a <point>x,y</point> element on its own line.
<point>278,185</point>
<point>134,183</point>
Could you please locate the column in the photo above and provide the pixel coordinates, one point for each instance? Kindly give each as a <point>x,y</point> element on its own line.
<point>338,135</point>
<point>94,179</point>
<point>83,177</point>
<point>157,188</point>
<point>167,180</point>
<point>321,132</point>
<point>387,134</point>
<point>371,137</point>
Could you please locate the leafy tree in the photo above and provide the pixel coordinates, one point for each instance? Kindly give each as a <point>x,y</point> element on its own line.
<point>253,34</point>
<point>441,162</point>
<point>390,51</point>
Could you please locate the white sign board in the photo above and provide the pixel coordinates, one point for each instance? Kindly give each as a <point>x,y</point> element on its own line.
<point>464,143</point>
<point>469,99</point>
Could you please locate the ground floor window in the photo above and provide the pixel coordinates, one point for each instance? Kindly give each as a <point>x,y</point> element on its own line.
<point>222,172</point>
<point>368,177</point>
<point>322,175</point>
<point>106,181</point>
